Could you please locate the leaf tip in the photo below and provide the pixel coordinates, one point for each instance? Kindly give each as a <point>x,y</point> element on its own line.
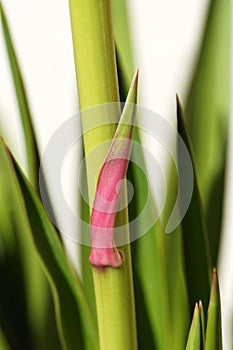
<point>200,305</point>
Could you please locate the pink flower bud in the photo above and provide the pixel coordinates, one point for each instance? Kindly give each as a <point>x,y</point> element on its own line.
<point>104,252</point>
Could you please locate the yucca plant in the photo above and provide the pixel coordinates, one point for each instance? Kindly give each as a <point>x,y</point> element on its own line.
<point>131,293</point>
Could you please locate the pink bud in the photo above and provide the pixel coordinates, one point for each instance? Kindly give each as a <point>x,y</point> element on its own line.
<point>104,252</point>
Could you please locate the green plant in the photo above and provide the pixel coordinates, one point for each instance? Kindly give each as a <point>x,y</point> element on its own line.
<point>142,296</point>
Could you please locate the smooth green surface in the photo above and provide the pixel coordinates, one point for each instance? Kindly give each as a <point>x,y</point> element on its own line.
<point>87,276</point>
<point>73,316</point>
<point>207,114</point>
<point>194,339</point>
<point>194,232</point>
<point>94,52</point>
<point>96,73</point>
<point>214,328</point>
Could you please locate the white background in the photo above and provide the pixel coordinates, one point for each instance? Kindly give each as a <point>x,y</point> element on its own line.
<point>165,34</point>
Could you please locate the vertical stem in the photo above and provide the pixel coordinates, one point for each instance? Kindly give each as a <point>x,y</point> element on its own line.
<point>97,83</point>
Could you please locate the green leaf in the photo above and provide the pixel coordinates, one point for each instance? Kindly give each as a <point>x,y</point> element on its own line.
<point>194,231</point>
<point>29,134</point>
<point>194,339</point>
<point>73,317</point>
<point>213,328</point>
<point>207,114</point>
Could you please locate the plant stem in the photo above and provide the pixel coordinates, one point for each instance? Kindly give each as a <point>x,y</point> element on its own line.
<point>97,84</point>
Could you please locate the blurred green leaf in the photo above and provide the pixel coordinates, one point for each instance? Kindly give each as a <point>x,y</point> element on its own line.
<point>29,135</point>
<point>214,328</point>
<point>194,231</point>
<point>33,158</point>
<point>163,276</point>
<point>149,266</point>
<point>207,114</point>
<point>22,280</point>
<point>176,277</point>
<point>74,320</point>
<point>73,317</point>
<point>194,339</point>
<point>13,303</point>
<point>122,36</point>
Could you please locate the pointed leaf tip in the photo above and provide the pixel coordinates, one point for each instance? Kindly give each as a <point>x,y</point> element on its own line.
<point>104,252</point>
<point>214,278</point>
<point>214,328</point>
<point>194,338</point>
<point>202,319</point>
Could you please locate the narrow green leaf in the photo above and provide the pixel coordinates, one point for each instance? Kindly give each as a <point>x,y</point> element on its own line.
<point>202,318</point>
<point>194,339</point>
<point>29,134</point>
<point>163,279</point>
<point>195,238</point>
<point>32,152</point>
<point>122,35</point>
<point>214,328</point>
<point>73,317</point>
<point>207,114</point>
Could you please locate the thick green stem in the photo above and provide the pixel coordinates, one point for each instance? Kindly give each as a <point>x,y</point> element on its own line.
<point>97,84</point>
